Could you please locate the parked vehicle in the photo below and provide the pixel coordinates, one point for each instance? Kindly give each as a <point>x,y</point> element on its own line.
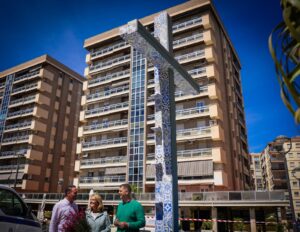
<point>15,215</point>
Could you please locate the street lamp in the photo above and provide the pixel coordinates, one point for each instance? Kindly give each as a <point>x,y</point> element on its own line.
<point>60,184</point>
<point>278,146</point>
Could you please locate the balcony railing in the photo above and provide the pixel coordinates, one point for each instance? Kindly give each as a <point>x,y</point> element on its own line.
<point>234,196</point>
<point>20,112</point>
<point>109,63</point>
<point>190,55</point>
<point>15,138</point>
<point>106,108</point>
<point>202,89</point>
<point>197,71</point>
<point>18,125</point>
<point>188,23</point>
<point>194,131</point>
<point>191,111</point>
<point>25,99</point>
<point>26,75</point>
<point>184,112</point>
<point>102,51</point>
<point>204,152</point>
<point>101,179</point>
<point>107,160</point>
<point>106,93</point>
<point>25,87</point>
<point>106,125</point>
<point>11,167</point>
<point>2,85</point>
<point>104,142</point>
<point>187,39</point>
<point>13,153</point>
<point>108,77</point>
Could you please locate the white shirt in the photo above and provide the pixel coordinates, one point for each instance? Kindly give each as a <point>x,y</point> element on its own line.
<point>62,211</point>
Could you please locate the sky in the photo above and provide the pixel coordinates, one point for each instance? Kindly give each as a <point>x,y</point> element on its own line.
<point>31,28</point>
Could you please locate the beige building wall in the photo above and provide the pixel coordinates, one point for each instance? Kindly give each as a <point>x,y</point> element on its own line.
<point>211,132</point>
<point>38,144</point>
<point>274,171</point>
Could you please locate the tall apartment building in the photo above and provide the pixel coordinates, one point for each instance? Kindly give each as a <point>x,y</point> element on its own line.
<point>212,150</point>
<point>274,171</point>
<point>40,106</point>
<point>256,171</point>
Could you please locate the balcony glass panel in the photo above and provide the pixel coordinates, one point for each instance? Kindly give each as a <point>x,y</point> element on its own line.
<point>178,26</point>
<point>106,125</point>
<point>108,77</point>
<point>104,142</point>
<point>106,108</point>
<point>102,51</point>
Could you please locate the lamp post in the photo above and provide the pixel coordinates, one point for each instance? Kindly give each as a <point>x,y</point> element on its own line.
<point>278,146</point>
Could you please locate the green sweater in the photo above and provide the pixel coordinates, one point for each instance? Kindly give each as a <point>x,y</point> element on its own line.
<point>133,213</point>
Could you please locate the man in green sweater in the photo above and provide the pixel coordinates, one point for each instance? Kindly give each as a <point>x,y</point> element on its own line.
<point>130,213</point>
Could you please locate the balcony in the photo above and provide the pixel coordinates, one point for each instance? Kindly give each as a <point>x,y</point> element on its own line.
<point>185,113</point>
<point>104,144</point>
<point>5,168</point>
<point>12,154</point>
<point>27,76</point>
<point>110,63</point>
<point>107,93</point>
<point>15,139</point>
<point>18,126</point>
<point>197,132</point>
<point>188,154</point>
<point>103,162</point>
<point>108,78</point>
<point>20,113</point>
<point>187,40</point>
<point>106,110</point>
<point>21,101</point>
<point>108,50</point>
<point>112,125</point>
<point>192,112</point>
<point>190,56</point>
<point>186,25</point>
<point>2,85</point>
<point>103,181</point>
<point>25,88</point>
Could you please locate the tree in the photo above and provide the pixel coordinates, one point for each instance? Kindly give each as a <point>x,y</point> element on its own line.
<point>284,46</point>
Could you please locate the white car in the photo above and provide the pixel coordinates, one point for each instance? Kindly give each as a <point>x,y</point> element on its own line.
<point>15,215</point>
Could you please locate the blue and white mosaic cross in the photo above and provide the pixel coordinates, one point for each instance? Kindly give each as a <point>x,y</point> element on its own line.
<point>168,73</point>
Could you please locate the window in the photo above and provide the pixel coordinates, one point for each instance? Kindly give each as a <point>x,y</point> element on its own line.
<point>11,205</point>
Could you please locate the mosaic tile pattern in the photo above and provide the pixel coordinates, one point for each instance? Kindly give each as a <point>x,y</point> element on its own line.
<point>166,199</point>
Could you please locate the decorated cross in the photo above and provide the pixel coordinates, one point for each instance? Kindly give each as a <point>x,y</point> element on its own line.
<point>168,73</point>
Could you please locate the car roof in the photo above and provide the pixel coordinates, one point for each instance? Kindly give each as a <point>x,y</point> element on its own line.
<point>8,188</point>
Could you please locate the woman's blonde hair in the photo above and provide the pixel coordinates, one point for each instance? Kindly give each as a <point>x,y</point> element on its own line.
<point>98,198</point>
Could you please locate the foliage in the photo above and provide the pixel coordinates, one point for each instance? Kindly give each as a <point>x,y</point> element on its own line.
<point>76,222</point>
<point>206,226</point>
<point>47,214</point>
<point>239,225</point>
<point>284,46</point>
<point>279,227</point>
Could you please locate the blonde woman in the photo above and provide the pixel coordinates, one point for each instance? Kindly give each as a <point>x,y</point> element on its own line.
<point>98,219</point>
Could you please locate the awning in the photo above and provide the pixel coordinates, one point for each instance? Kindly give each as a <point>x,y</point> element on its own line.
<point>191,168</point>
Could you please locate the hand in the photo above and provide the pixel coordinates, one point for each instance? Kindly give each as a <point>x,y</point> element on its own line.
<point>123,225</point>
<point>116,222</point>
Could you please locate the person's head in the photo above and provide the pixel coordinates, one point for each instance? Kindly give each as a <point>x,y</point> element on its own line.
<point>96,204</point>
<point>71,193</point>
<point>125,192</point>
